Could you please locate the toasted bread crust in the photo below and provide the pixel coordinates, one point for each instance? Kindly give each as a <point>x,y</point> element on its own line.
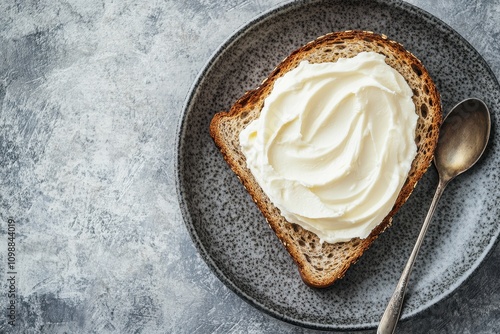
<point>320,265</point>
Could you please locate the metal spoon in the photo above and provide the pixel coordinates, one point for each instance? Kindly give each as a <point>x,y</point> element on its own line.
<point>462,140</point>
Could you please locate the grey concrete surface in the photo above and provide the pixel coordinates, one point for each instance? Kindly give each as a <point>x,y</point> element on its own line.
<point>90,96</point>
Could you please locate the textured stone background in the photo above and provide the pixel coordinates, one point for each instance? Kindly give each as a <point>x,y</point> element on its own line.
<point>90,95</point>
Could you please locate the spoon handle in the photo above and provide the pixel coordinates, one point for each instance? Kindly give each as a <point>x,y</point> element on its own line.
<point>390,317</point>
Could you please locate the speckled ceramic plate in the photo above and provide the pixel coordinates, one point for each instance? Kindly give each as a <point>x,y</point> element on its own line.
<point>232,235</point>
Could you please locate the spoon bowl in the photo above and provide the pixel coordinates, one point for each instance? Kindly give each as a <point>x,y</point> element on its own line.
<point>462,140</point>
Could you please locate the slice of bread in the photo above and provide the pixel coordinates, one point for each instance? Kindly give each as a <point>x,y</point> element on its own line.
<point>322,264</point>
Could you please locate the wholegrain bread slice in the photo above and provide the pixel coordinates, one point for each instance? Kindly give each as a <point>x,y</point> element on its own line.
<point>321,264</point>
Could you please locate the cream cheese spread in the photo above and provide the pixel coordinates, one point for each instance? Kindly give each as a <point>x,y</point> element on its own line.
<point>333,144</point>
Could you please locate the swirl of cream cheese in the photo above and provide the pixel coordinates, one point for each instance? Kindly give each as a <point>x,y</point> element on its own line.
<point>333,144</point>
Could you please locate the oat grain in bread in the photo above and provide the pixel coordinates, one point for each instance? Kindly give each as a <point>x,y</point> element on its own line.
<point>321,264</point>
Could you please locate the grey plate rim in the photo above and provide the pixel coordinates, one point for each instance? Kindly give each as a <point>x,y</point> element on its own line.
<point>178,165</point>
